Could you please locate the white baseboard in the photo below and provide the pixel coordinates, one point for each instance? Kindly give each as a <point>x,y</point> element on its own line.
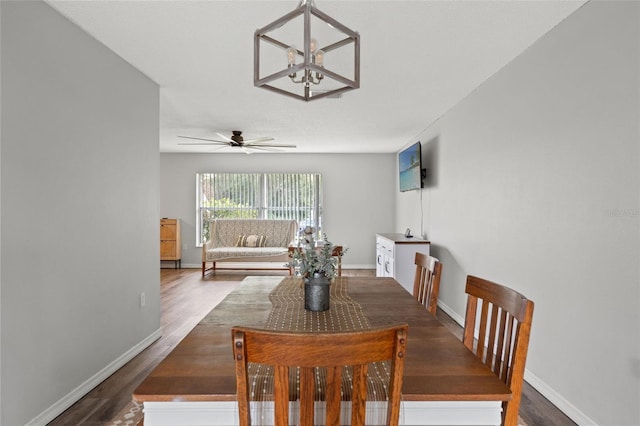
<point>453,314</point>
<point>355,266</point>
<point>554,397</point>
<point>74,396</point>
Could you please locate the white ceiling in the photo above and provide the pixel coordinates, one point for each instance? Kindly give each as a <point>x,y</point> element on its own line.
<point>418,59</point>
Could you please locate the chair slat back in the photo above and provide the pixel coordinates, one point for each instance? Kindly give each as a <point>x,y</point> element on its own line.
<point>426,283</point>
<point>308,351</point>
<point>503,335</point>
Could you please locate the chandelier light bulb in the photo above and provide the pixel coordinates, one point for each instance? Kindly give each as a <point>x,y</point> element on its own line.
<point>319,57</point>
<point>291,55</point>
<point>313,45</point>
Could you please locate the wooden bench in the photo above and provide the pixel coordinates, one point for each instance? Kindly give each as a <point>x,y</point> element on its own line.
<point>248,240</point>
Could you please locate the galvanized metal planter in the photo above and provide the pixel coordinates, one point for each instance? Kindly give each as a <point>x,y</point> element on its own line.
<point>316,293</point>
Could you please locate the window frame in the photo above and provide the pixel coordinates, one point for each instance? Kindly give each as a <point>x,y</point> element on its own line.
<point>261,202</point>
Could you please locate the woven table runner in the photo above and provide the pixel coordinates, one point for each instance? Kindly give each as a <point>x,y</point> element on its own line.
<point>288,314</point>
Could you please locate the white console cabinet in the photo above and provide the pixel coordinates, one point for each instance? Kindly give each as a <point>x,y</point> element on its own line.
<point>395,257</point>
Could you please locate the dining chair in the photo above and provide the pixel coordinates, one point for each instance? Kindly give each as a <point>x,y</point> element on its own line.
<point>314,354</point>
<point>503,335</point>
<point>426,283</point>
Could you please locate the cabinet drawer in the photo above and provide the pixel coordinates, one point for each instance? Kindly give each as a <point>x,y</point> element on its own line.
<point>168,231</point>
<point>167,250</point>
<point>385,246</point>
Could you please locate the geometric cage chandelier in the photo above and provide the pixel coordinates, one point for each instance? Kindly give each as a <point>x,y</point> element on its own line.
<point>288,57</point>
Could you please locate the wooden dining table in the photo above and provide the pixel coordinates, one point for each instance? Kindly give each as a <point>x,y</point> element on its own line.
<point>443,383</point>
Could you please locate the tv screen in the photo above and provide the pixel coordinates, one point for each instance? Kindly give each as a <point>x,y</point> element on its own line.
<point>410,162</point>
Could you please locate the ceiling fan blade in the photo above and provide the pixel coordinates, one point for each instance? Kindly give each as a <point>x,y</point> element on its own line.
<point>269,145</point>
<point>258,140</point>
<point>211,141</point>
<point>263,148</point>
<point>221,144</point>
<point>225,138</point>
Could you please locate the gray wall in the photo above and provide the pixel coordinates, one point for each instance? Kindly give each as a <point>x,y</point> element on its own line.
<point>355,204</point>
<point>80,210</point>
<point>534,183</point>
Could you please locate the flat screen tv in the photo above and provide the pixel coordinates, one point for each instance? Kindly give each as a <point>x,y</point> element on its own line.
<point>410,166</point>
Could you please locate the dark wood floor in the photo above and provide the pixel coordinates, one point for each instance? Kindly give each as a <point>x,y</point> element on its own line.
<point>186,299</point>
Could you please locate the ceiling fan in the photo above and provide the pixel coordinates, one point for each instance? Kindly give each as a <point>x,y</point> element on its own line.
<point>237,141</point>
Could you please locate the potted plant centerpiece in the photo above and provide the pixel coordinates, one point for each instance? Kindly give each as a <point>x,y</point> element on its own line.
<point>317,265</point>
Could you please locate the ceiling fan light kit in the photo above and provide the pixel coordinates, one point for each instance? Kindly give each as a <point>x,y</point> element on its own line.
<point>299,71</point>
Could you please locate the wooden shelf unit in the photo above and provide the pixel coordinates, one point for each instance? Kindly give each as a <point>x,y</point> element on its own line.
<point>171,241</point>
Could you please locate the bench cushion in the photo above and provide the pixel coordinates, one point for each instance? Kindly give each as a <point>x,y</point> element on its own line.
<point>220,253</point>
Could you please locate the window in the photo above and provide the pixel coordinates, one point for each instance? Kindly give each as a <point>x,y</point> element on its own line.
<point>258,195</point>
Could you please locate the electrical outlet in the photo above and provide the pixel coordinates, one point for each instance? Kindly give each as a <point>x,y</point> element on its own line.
<point>184,247</point>
<point>142,299</point>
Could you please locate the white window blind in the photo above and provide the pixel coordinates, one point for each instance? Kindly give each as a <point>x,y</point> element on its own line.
<point>258,195</point>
